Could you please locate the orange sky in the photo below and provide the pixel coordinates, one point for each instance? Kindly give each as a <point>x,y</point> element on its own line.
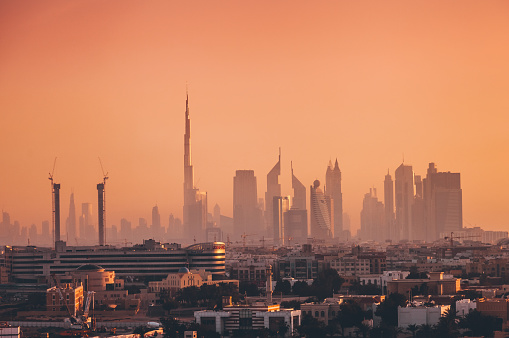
<point>363,81</point>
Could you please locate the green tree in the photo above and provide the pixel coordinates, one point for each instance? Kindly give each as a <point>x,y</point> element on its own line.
<point>415,274</point>
<point>480,324</point>
<point>388,309</point>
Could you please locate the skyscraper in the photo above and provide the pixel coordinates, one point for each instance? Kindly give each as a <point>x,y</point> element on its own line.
<point>195,202</point>
<point>372,218</point>
<point>404,202</point>
<point>56,211</point>
<point>101,213</point>
<point>273,190</point>
<point>71,221</point>
<point>322,213</point>
<point>280,207</point>
<point>333,190</point>
<point>443,202</point>
<point>157,231</point>
<point>389,207</point>
<point>247,217</point>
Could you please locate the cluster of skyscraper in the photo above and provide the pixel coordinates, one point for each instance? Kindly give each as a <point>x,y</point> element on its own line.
<point>415,209</point>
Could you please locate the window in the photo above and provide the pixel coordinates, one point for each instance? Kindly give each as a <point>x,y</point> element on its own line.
<point>316,313</point>
<point>322,314</point>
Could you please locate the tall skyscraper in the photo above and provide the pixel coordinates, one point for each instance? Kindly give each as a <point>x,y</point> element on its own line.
<point>126,232</point>
<point>333,190</point>
<point>195,202</point>
<point>299,193</point>
<point>273,190</point>
<point>389,207</point>
<point>322,213</point>
<point>87,229</point>
<point>101,213</point>
<point>56,211</point>
<point>443,203</point>
<point>247,217</point>
<point>217,216</point>
<point>404,202</point>
<point>71,221</point>
<point>157,231</point>
<point>372,218</point>
<point>280,206</point>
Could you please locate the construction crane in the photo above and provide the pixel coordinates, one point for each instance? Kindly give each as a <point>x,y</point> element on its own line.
<point>90,296</point>
<point>452,237</point>
<point>72,317</point>
<point>244,238</point>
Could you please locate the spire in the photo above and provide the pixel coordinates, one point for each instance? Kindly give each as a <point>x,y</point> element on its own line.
<point>329,166</point>
<point>336,165</point>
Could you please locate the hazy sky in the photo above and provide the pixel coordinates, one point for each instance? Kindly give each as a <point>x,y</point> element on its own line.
<point>363,81</point>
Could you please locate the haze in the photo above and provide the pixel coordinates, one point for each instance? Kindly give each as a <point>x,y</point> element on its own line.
<point>366,82</point>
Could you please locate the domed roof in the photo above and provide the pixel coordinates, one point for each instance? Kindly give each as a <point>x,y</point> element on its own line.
<point>183,270</point>
<point>90,267</point>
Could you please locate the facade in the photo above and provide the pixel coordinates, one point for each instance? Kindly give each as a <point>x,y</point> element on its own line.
<point>494,307</point>
<point>404,191</point>
<point>249,317</point>
<point>298,266</point>
<point>247,217</point>
<point>322,213</point>
<point>372,218</point>
<point>71,220</point>
<point>149,259</point>
<point>73,297</point>
<point>299,193</point>
<point>350,266</point>
<point>195,201</point>
<point>186,278</point>
<point>296,225</point>
<point>420,315</point>
<point>464,307</point>
<point>333,190</point>
<point>156,227</point>
<point>273,190</point>
<point>324,312</point>
<point>435,285</point>
<point>389,207</point>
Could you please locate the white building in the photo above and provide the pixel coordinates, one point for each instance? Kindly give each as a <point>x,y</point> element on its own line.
<point>381,280</point>
<point>464,306</point>
<point>420,315</point>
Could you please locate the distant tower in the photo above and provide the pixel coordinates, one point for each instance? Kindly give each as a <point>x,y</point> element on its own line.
<point>156,223</point>
<point>404,189</point>
<point>273,190</point>
<point>246,214</point>
<point>217,215</point>
<point>280,206</point>
<point>299,193</point>
<point>195,202</point>
<point>333,190</point>
<point>322,213</point>
<point>71,221</point>
<point>372,218</point>
<point>268,285</point>
<point>56,210</point>
<point>389,207</point>
<point>101,212</point>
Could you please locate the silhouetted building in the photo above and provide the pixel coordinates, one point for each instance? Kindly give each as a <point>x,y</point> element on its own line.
<point>372,218</point>
<point>195,201</point>
<point>404,202</point>
<point>71,221</point>
<point>389,208</point>
<point>247,217</point>
<point>279,207</point>
<point>333,189</point>
<point>443,202</point>
<point>101,213</point>
<point>296,226</point>
<point>86,223</point>
<point>157,230</point>
<point>299,193</point>
<point>217,215</point>
<point>56,211</point>
<point>322,213</point>
<point>273,189</point>
<point>126,232</point>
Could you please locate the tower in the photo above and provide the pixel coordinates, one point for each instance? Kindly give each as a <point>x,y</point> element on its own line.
<point>101,213</point>
<point>195,202</point>
<point>247,217</point>
<point>322,213</point>
<point>299,193</point>
<point>372,218</point>
<point>273,190</point>
<point>389,207</point>
<point>404,189</point>
<point>280,207</point>
<point>71,220</point>
<point>333,190</point>
<point>157,232</point>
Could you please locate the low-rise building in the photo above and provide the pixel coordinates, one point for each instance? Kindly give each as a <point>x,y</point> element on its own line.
<point>435,285</point>
<point>494,307</point>
<point>464,307</point>
<point>72,296</point>
<point>324,312</point>
<point>420,315</point>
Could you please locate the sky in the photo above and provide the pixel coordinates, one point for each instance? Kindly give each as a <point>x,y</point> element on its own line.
<point>371,83</point>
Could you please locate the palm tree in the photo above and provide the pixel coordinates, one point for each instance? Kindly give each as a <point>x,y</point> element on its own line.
<point>425,331</point>
<point>412,328</point>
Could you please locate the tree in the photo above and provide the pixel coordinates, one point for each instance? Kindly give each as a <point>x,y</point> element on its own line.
<point>249,288</point>
<point>388,309</point>
<point>301,288</point>
<point>293,304</point>
<point>284,287</point>
<point>415,274</point>
<point>480,324</point>
<point>447,325</point>
<point>327,282</point>
<point>311,327</point>
<point>425,331</point>
<point>412,329</point>
<point>350,315</point>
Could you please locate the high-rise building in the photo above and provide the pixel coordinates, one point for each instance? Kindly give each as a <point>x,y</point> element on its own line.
<point>321,213</point>
<point>333,190</point>
<point>217,216</point>
<point>101,213</point>
<point>56,211</point>
<point>299,193</point>
<point>195,201</point>
<point>87,228</point>
<point>32,234</point>
<point>389,208</point>
<point>443,202</point>
<point>273,190</point>
<point>372,218</point>
<point>157,230</point>
<point>71,221</point>
<point>404,188</point>
<point>296,226</point>
<point>126,232</point>
<point>280,207</point>
<point>45,232</point>
<point>246,214</point>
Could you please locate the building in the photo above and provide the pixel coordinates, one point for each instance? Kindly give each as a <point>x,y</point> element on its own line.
<point>325,312</point>
<point>150,259</point>
<point>71,220</point>
<point>279,208</point>
<point>443,202</point>
<point>273,190</point>
<point>333,190</point>
<point>404,189</point>
<point>435,285</point>
<point>389,208</point>
<point>299,193</point>
<point>296,226</point>
<point>372,218</point>
<point>496,307</point>
<point>421,315</point>
<point>247,217</point>
<point>195,201</point>
<point>350,266</point>
<point>464,307</point>
<point>322,213</point>
<point>72,298</point>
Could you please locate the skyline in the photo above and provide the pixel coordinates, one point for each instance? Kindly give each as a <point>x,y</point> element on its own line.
<point>364,84</point>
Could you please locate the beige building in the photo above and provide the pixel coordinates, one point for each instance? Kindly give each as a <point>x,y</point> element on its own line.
<point>436,285</point>
<point>73,296</point>
<point>494,307</point>
<point>324,312</point>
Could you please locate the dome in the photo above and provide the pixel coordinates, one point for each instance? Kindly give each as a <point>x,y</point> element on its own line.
<point>90,267</point>
<point>183,270</point>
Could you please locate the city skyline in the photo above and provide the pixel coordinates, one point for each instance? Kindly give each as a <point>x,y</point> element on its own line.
<point>374,84</point>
